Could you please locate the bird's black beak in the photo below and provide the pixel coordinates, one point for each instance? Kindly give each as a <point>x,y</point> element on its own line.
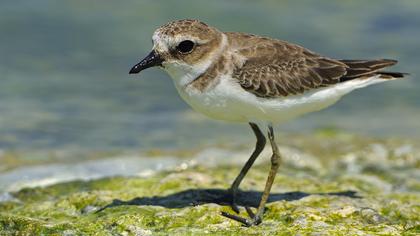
<point>153,59</point>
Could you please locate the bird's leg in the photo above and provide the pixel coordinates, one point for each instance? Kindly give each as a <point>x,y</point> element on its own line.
<point>275,163</point>
<point>233,190</point>
<point>256,218</point>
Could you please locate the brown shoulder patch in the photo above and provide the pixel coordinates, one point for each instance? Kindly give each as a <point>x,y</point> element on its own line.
<point>209,79</point>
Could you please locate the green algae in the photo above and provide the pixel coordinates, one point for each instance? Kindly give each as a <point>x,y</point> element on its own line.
<point>346,185</point>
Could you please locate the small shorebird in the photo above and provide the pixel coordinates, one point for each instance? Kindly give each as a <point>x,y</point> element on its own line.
<point>257,80</point>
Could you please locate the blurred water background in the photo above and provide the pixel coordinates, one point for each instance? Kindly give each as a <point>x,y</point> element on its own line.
<point>64,82</point>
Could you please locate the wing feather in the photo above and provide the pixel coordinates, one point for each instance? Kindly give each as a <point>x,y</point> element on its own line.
<point>275,68</point>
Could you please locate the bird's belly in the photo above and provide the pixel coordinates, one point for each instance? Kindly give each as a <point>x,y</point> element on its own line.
<point>214,103</point>
<point>228,101</point>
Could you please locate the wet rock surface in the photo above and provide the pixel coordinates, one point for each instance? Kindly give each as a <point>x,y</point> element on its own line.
<point>329,184</point>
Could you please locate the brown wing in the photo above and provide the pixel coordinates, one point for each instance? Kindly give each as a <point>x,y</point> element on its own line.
<point>276,68</point>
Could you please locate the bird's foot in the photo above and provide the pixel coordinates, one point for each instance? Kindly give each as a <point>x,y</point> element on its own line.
<point>233,205</point>
<point>254,219</point>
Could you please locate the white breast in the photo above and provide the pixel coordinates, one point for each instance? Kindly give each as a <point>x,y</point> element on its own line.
<point>228,101</point>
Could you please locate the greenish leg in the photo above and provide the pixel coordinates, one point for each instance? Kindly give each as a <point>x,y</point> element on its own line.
<point>256,219</point>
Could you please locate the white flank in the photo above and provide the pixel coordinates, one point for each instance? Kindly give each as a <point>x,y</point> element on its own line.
<point>228,101</point>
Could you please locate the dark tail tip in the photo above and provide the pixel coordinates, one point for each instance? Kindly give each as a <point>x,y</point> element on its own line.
<point>393,74</point>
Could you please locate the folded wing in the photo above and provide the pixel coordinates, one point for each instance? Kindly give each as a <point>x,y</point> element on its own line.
<point>275,68</point>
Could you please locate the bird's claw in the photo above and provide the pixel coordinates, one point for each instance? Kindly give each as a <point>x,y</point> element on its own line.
<point>234,207</point>
<point>250,212</point>
<point>252,220</point>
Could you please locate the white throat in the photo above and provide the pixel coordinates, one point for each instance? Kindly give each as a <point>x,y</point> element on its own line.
<point>183,74</point>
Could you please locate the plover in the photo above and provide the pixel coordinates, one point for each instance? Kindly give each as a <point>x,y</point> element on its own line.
<point>251,79</point>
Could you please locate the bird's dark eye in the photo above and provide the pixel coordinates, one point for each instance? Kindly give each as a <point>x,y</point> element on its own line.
<point>185,46</point>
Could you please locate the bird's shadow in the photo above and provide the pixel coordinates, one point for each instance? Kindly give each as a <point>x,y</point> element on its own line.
<point>194,197</point>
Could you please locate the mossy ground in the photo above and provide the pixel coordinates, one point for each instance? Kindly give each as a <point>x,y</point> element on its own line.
<point>339,185</point>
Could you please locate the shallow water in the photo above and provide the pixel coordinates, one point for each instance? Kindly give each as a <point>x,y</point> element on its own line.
<point>44,175</point>
<point>128,164</point>
<point>65,83</point>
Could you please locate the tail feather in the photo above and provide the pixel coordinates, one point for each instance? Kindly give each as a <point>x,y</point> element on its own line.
<point>366,68</point>
<point>392,74</point>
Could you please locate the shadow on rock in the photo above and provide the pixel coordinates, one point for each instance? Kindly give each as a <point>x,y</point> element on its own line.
<point>194,197</point>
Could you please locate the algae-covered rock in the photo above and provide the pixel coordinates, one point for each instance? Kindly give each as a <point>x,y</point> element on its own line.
<point>329,184</point>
